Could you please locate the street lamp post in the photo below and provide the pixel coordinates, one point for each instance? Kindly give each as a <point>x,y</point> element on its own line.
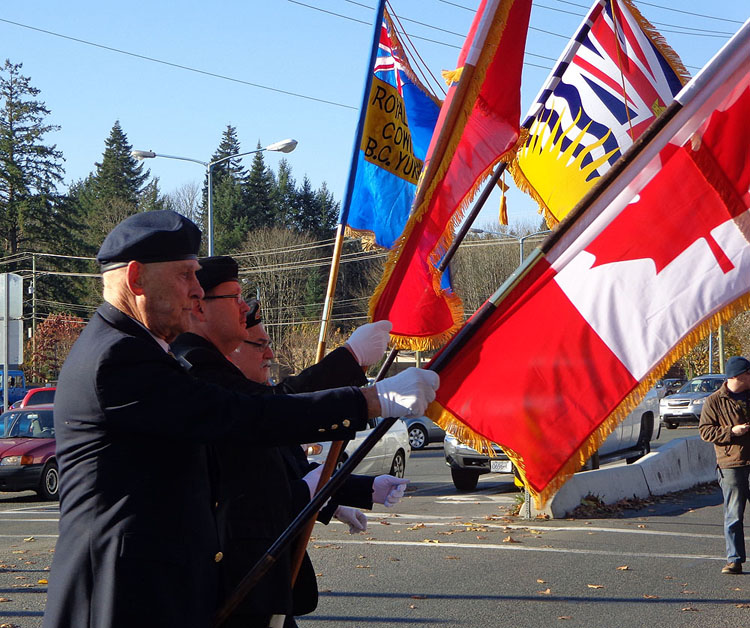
<point>284,146</point>
<point>520,240</point>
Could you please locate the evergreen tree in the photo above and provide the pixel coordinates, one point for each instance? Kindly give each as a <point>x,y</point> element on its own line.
<point>29,169</point>
<point>258,189</point>
<point>315,212</point>
<point>229,215</point>
<point>119,176</point>
<point>284,196</point>
<point>151,198</point>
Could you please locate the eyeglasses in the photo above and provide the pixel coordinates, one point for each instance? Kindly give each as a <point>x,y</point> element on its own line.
<point>236,297</point>
<point>260,347</point>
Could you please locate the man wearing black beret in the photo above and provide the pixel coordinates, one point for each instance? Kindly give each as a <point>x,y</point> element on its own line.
<point>137,543</point>
<point>725,422</point>
<point>271,476</point>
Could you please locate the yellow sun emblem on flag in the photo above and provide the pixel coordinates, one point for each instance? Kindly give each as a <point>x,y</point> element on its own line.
<point>557,178</point>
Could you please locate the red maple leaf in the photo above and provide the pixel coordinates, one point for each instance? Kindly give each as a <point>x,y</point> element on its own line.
<point>674,210</point>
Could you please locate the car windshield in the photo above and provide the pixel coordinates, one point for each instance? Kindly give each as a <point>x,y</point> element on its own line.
<point>707,385</point>
<point>27,424</point>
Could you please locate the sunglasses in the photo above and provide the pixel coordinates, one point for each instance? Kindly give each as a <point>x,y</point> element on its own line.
<point>236,297</point>
<point>260,347</point>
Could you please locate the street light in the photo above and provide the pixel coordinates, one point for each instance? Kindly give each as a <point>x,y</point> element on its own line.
<point>284,146</point>
<point>520,240</point>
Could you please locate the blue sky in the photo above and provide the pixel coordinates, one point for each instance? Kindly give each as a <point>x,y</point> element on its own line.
<point>278,44</point>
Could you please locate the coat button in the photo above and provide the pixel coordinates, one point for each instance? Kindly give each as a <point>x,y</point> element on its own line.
<point>335,426</point>
<point>346,422</point>
<point>218,557</point>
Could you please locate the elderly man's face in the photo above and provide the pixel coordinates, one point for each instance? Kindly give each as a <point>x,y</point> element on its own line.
<point>255,356</point>
<point>170,290</point>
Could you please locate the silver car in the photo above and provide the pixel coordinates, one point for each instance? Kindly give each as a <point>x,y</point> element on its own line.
<point>686,404</point>
<point>422,432</point>
<point>631,439</point>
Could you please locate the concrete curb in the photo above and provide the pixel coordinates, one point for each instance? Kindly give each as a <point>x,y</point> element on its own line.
<point>678,465</point>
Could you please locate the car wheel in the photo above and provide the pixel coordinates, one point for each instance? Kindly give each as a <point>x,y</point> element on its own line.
<point>417,437</point>
<point>398,466</point>
<point>49,484</point>
<point>670,425</point>
<point>464,479</point>
<point>644,438</point>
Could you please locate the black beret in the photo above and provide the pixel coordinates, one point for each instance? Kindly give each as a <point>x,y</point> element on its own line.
<point>736,365</point>
<point>216,270</point>
<point>155,236</point>
<point>252,318</point>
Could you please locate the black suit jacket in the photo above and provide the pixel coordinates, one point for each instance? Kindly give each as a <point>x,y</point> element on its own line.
<point>138,544</point>
<point>260,489</point>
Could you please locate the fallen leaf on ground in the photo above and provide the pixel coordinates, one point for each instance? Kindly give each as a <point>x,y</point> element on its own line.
<point>642,526</point>
<point>42,581</point>
<point>540,581</point>
<point>362,566</point>
<point>29,539</point>
<point>4,599</point>
<point>412,606</point>
<point>386,523</point>
<point>690,592</point>
<point>394,559</point>
<point>416,526</point>
<point>650,597</point>
<point>418,597</point>
<point>451,558</point>
<point>742,605</point>
<point>545,592</point>
<point>565,617</point>
<point>480,537</point>
<point>690,609</point>
<point>510,539</point>
<point>595,586</point>
<point>623,568</point>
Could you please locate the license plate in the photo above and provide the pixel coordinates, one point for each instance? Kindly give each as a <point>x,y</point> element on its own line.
<point>500,466</point>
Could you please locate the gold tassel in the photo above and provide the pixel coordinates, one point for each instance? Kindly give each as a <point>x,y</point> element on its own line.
<point>452,76</point>
<point>503,218</point>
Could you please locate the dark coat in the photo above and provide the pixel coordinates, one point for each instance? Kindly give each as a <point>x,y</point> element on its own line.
<point>138,544</point>
<point>260,489</point>
<point>721,412</point>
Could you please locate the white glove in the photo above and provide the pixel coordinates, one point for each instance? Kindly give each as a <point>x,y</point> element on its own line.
<point>407,394</point>
<point>312,479</point>
<point>388,490</point>
<point>355,519</point>
<point>369,342</point>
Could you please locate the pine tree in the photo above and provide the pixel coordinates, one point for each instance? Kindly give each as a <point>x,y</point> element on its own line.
<point>229,216</point>
<point>284,196</point>
<point>258,192</point>
<point>119,176</point>
<point>29,169</point>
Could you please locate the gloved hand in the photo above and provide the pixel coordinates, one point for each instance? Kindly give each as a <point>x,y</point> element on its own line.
<point>408,393</point>
<point>355,519</point>
<point>312,479</point>
<point>369,342</point>
<point>388,490</point>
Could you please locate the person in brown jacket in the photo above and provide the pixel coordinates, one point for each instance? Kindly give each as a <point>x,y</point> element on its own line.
<point>725,422</point>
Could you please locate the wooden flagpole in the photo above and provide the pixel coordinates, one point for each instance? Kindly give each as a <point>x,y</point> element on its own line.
<point>337,446</point>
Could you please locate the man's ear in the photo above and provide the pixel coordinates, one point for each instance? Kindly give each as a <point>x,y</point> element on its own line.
<point>134,277</point>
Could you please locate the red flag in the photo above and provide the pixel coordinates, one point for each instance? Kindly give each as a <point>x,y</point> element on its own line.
<point>634,278</point>
<point>477,128</point>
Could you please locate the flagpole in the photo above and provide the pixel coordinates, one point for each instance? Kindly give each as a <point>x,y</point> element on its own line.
<point>337,447</point>
<point>471,217</point>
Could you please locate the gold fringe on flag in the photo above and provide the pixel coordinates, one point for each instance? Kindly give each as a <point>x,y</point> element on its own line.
<point>465,434</point>
<point>427,343</point>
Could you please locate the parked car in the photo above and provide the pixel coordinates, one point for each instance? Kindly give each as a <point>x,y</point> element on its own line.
<point>686,404</point>
<point>37,397</point>
<point>422,432</point>
<point>669,385</point>
<point>389,455</point>
<point>631,439</point>
<point>27,451</point>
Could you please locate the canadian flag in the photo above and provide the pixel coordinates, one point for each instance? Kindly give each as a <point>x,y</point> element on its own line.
<point>633,277</point>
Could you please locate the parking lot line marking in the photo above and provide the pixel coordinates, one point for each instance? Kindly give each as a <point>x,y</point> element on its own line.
<point>521,548</point>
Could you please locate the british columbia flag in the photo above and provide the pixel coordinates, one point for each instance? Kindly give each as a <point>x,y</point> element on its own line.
<point>613,79</point>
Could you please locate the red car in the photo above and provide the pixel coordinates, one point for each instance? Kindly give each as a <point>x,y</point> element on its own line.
<point>27,451</point>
